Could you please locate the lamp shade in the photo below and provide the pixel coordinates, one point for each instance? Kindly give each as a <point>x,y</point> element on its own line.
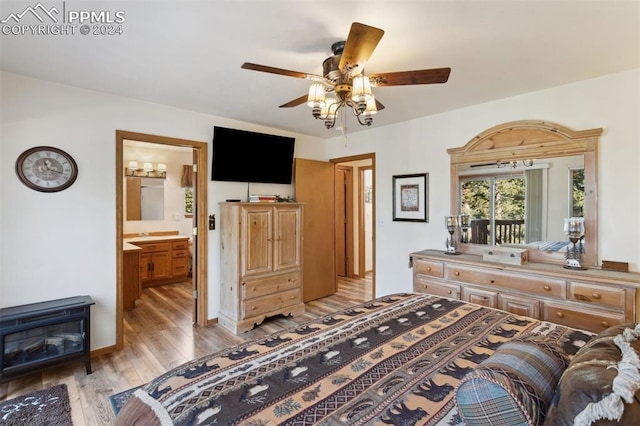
<point>147,167</point>
<point>133,165</point>
<point>372,108</point>
<point>162,167</point>
<point>361,89</point>
<point>316,97</point>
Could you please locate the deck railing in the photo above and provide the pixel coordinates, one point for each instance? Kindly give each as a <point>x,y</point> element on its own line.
<point>507,231</point>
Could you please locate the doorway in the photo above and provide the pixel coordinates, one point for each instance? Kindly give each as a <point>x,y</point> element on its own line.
<point>354,218</point>
<point>199,244</point>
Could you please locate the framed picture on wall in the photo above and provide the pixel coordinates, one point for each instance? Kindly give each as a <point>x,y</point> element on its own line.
<point>410,202</point>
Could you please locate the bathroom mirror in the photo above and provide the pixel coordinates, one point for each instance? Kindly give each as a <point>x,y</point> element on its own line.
<point>145,198</point>
<point>503,157</point>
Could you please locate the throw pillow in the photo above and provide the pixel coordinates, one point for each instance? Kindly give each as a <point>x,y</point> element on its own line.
<point>601,386</point>
<point>514,386</point>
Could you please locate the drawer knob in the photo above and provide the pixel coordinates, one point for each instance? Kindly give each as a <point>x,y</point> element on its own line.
<point>424,285</point>
<point>547,287</point>
<point>596,295</point>
<point>492,281</point>
<point>605,324</point>
<point>456,273</point>
<point>253,308</point>
<point>449,292</point>
<point>560,315</point>
<point>428,268</point>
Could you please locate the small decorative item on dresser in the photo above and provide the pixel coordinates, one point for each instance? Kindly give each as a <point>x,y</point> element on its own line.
<point>464,220</point>
<point>451,222</point>
<point>574,228</point>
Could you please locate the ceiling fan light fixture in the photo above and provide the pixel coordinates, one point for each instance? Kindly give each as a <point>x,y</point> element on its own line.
<point>371,108</point>
<point>316,99</point>
<point>361,89</point>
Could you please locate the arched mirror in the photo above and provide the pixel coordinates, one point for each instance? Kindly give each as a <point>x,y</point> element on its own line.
<point>518,181</point>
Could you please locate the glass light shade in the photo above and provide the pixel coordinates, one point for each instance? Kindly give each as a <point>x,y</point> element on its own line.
<point>372,108</point>
<point>361,88</point>
<point>574,226</point>
<point>316,97</point>
<point>133,165</point>
<point>147,167</point>
<point>464,220</point>
<point>162,167</point>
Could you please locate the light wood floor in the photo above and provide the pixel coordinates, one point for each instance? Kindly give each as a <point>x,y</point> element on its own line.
<point>159,336</point>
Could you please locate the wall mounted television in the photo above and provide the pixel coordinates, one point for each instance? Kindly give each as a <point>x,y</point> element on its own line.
<point>243,156</point>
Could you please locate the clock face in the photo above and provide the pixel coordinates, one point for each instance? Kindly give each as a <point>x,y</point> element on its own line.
<point>46,169</point>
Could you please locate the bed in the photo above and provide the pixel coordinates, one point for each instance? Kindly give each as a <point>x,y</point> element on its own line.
<point>393,360</point>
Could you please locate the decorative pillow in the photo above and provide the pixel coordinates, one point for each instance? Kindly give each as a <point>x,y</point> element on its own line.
<point>514,386</point>
<point>601,386</point>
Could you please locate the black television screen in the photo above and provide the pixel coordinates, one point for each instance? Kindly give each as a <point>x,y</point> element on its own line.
<point>242,156</point>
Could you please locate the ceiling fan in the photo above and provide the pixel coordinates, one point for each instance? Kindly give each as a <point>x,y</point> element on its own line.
<point>344,84</point>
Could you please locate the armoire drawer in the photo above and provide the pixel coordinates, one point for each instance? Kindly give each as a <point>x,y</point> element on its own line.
<point>544,286</point>
<point>264,286</point>
<point>273,302</point>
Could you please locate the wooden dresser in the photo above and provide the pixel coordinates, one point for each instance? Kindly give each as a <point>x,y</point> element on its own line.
<point>592,300</point>
<point>261,263</point>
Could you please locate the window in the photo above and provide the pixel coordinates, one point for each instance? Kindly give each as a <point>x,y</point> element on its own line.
<point>496,205</point>
<point>188,201</point>
<point>576,195</point>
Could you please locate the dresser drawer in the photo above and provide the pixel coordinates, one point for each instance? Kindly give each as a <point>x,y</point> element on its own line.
<point>179,267</point>
<point>480,297</point>
<point>428,267</point>
<point>180,245</point>
<point>155,247</point>
<point>597,294</point>
<point>541,285</point>
<point>424,285</point>
<point>273,302</point>
<point>179,253</point>
<point>586,318</point>
<point>261,287</point>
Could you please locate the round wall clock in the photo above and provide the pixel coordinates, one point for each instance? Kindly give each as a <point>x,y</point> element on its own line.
<point>46,169</point>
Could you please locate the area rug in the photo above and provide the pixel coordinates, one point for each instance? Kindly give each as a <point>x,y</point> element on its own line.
<point>118,400</point>
<point>44,407</point>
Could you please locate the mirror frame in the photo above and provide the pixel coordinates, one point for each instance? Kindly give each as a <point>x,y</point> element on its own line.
<point>528,139</point>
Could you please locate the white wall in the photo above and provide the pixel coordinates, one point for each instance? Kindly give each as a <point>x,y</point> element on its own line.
<point>418,146</point>
<point>63,244</point>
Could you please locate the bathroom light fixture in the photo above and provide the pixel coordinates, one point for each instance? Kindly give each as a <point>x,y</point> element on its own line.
<point>133,170</point>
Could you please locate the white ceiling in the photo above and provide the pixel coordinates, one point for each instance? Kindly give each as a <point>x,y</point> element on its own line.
<point>188,54</point>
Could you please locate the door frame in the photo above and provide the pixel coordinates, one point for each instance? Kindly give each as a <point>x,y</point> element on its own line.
<point>362,269</point>
<point>200,250</point>
<point>372,157</point>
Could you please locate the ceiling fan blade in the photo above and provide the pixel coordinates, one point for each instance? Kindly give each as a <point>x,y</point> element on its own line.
<point>379,105</point>
<point>298,101</point>
<point>280,71</point>
<point>403,78</point>
<point>360,44</point>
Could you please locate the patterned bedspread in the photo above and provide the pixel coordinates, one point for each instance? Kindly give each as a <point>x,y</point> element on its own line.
<point>394,360</point>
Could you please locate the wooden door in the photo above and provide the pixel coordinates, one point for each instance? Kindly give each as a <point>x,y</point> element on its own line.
<point>257,241</point>
<point>287,222</point>
<point>344,220</point>
<point>314,188</point>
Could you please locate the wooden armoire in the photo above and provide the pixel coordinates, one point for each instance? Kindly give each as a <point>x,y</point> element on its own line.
<point>261,263</point>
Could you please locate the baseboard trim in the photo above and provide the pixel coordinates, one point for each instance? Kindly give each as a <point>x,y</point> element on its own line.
<point>103,351</point>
